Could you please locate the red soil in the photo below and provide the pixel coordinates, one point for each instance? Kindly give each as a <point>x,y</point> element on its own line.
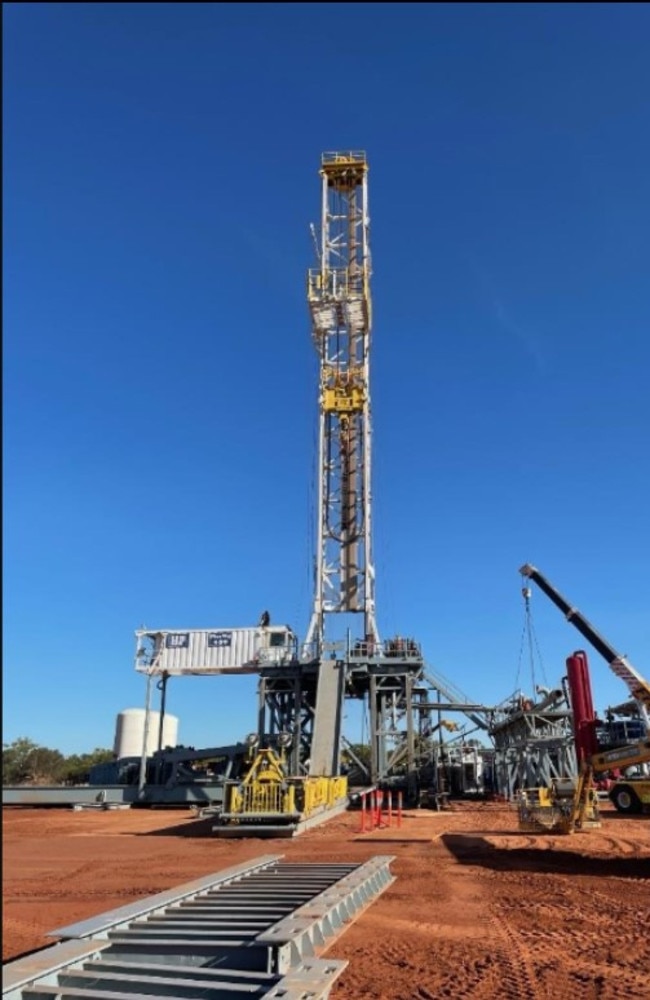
<point>478,910</point>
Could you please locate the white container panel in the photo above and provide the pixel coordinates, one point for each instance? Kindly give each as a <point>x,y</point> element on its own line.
<point>214,651</point>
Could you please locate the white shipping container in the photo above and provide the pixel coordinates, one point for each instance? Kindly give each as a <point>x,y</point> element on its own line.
<point>213,651</point>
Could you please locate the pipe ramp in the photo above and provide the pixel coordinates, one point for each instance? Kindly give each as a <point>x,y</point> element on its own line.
<point>254,930</point>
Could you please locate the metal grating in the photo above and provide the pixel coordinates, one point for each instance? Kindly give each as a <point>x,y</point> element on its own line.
<point>254,930</point>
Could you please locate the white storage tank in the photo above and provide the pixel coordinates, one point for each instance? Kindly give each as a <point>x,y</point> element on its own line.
<point>129,732</point>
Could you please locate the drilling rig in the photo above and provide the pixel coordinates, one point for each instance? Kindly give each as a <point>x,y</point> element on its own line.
<point>303,685</point>
<point>306,698</point>
<point>295,753</point>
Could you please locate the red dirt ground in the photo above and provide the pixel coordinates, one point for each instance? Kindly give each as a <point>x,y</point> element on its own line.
<point>479,910</point>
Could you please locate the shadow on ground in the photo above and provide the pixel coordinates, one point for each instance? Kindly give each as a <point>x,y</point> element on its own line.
<point>189,826</point>
<point>473,850</point>
<point>201,828</point>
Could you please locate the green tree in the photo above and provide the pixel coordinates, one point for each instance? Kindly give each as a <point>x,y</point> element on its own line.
<point>77,767</point>
<point>45,766</point>
<point>15,760</point>
<point>24,762</point>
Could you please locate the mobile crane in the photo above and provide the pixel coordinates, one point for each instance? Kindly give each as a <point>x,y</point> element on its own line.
<point>630,795</point>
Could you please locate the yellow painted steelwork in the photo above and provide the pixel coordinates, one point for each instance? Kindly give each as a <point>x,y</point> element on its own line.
<point>267,793</point>
<point>344,170</point>
<point>316,794</point>
<point>539,813</point>
<point>562,808</point>
<point>342,392</point>
<point>338,789</point>
<point>343,399</point>
<point>260,798</point>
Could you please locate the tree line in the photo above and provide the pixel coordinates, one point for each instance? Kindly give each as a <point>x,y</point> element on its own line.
<point>25,762</point>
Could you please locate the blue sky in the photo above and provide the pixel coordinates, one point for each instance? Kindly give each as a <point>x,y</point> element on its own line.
<point>160,174</point>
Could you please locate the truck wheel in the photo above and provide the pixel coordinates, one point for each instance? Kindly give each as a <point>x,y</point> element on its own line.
<point>625,799</point>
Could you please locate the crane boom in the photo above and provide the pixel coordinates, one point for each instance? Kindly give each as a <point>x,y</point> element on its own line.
<point>637,685</point>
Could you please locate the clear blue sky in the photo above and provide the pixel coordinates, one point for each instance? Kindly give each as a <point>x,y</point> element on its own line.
<point>160,174</point>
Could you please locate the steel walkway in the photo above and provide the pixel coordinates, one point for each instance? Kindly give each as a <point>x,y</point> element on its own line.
<point>253,931</point>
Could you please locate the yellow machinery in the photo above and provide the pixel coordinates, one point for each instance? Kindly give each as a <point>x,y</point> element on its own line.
<point>565,807</point>
<point>629,795</point>
<point>268,802</point>
<point>573,805</point>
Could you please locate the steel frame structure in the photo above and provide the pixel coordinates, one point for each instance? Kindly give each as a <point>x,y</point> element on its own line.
<point>338,293</point>
<point>252,930</point>
<point>286,704</point>
<point>392,683</point>
<point>534,743</point>
<point>394,724</point>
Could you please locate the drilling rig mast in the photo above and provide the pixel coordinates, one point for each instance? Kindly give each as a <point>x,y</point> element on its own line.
<point>338,292</point>
<point>305,699</point>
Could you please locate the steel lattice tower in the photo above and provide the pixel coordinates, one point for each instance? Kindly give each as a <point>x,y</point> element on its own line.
<point>338,292</point>
<point>306,698</point>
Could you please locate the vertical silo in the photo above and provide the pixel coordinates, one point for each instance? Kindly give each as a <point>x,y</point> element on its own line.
<point>129,732</point>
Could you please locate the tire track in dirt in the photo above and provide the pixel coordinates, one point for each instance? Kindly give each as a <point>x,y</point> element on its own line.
<point>623,846</point>
<point>456,974</point>
<point>597,938</point>
<point>518,981</point>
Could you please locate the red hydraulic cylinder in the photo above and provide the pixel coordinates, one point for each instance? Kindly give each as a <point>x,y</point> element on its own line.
<point>584,717</point>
